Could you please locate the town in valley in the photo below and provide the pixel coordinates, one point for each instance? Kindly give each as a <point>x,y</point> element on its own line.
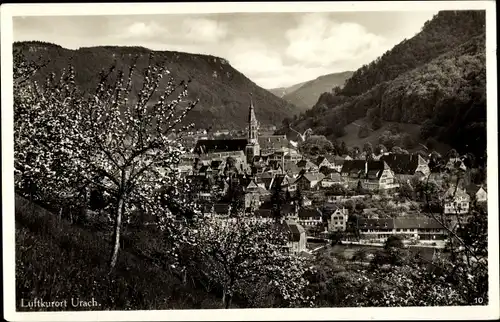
<point>250,160</point>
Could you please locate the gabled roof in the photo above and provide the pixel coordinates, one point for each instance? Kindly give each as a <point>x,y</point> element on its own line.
<point>358,167</point>
<point>287,209</point>
<point>211,146</point>
<point>326,170</point>
<point>278,180</point>
<point>329,208</point>
<point>273,142</point>
<point>252,185</point>
<point>454,192</point>
<point>306,164</point>
<point>335,177</point>
<point>416,222</point>
<point>403,163</point>
<point>267,175</point>
<point>351,166</point>
<point>305,213</point>
<point>472,189</point>
<point>294,230</point>
<point>291,167</point>
<point>313,176</point>
<point>372,223</point>
<point>262,191</point>
<point>320,159</point>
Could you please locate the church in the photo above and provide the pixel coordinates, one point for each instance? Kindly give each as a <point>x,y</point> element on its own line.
<point>243,150</point>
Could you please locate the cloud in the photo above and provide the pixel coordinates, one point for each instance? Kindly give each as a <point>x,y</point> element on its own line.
<point>254,58</point>
<point>321,41</point>
<point>143,31</point>
<point>204,30</point>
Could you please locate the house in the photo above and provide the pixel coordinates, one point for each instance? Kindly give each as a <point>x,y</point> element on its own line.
<point>306,201</point>
<point>334,178</point>
<point>325,161</point>
<point>373,175</point>
<point>252,196</point>
<point>457,201</point>
<point>307,165</point>
<point>291,168</point>
<point>265,180</point>
<point>326,171</point>
<point>296,236</point>
<point>310,217</point>
<point>337,163</point>
<point>290,212</point>
<point>481,195</point>
<point>337,218</point>
<point>477,193</point>
<point>309,181</point>
<point>262,215</point>
<point>272,143</point>
<point>376,228</point>
<point>405,166</point>
<point>419,227</point>
<point>423,228</point>
<point>279,181</point>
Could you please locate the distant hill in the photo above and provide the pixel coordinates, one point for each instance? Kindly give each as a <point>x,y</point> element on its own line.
<point>282,91</point>
<point>436,80</point>
<point>223,91</point>
<point>306,95</point>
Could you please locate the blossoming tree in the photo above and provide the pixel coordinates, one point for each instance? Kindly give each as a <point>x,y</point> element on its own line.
<point>233,255</point>
<point>113,138</point>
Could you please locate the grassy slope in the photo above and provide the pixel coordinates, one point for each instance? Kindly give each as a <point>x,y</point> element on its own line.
<point>56,260</point>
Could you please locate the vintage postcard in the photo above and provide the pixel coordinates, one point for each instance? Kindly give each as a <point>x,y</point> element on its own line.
<point>250,161</point>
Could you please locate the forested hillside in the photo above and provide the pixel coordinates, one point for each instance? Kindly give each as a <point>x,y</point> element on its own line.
<point>447,30</point>
<point>446,95</point>
<point>223,91</point>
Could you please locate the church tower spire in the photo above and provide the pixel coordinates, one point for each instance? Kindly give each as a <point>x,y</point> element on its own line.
<point>253,148</point>
<point>252,123</point>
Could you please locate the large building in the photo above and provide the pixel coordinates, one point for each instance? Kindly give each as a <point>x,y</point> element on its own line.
<point>244,149</point>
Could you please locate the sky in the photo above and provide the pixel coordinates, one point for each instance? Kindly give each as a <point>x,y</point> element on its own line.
<point>272,49</point>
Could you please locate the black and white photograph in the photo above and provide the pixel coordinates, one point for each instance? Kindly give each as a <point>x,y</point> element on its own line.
<point>191,160</point>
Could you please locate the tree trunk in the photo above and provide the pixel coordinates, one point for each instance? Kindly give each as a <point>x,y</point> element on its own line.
<point>118,224</point>
<point>229,299</point>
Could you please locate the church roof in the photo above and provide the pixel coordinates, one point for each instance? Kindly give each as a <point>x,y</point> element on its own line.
<point>223,145</point>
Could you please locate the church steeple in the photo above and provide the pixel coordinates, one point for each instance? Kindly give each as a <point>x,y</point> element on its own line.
<point>253,148</point>
<point>252,123</point>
